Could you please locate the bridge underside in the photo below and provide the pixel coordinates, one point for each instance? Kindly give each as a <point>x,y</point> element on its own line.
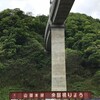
<point>58,14</point>
<point>61,12</point>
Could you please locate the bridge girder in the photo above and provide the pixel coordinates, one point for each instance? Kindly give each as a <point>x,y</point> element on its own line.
<point>59,11</point>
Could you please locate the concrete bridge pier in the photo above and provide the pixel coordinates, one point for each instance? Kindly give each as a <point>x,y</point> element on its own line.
<point>58,58</point>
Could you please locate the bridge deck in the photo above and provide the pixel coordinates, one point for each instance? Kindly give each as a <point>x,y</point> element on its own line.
<point>62,12</point>
<point>58,13</point>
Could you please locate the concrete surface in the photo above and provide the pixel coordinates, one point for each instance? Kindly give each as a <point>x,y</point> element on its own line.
<point>58,59</point>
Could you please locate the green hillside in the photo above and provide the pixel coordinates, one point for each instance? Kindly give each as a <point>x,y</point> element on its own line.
<point>83,53</point>
<point>26,66</point>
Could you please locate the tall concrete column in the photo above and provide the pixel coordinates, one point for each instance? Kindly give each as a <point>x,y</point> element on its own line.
<point>58,59</point>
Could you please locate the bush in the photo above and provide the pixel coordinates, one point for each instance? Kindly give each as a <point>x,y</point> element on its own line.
<point>96,79</point>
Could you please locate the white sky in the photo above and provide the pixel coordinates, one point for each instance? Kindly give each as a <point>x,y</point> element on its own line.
<point>38,7</point>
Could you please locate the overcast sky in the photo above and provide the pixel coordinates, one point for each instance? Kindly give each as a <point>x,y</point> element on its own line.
<point>38,7</point>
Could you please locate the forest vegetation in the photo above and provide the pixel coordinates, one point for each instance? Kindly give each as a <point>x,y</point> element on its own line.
<point>26,66</point>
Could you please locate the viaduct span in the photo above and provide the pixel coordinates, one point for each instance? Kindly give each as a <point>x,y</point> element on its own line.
<point>55,41</point>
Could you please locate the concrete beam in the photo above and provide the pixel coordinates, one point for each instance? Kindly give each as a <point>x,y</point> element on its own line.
<point>60,10</point>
